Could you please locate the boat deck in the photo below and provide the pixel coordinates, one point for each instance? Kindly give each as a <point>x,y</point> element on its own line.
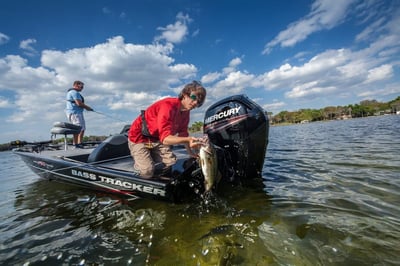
<point>124,164</point>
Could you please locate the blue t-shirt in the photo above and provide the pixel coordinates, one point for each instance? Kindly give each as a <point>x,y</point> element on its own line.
<point>71,107</point>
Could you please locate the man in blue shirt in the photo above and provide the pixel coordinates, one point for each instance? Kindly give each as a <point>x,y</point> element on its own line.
<point>74,110</point>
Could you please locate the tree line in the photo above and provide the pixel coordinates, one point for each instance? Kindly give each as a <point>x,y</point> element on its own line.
<point>363,109</point>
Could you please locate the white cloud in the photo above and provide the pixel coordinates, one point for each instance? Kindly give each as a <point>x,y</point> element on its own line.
<point>228,81</point>
<point>232,65</point>
<point>133,101</point>
<point>3,38</point>
<point>275,105</point>
<point>379,73</point>
<point>390,89</point>
<point>4,102</point>
<point>324,14</point>
<point>210,77</point>
<point>372,29</point>
<point>195,33</point>
<point>13,67</point>
<point>310,90</point>
<point>320,66</point>
<point>26,45</point>
<point>175,33</point>
<point>123,15</point>
<point>117,66</point>
<point>106,10</point>
<point>233,83</point>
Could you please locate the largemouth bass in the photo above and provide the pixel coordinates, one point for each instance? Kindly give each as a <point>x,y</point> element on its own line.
<point>209,164</point>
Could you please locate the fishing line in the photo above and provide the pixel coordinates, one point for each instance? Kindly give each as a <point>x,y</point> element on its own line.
<point>100,113</point>
<point>112,117</point>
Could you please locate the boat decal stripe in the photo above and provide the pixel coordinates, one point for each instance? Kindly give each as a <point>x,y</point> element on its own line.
<point>114,184</point>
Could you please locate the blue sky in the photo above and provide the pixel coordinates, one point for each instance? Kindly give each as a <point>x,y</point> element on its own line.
<point>285,55</point>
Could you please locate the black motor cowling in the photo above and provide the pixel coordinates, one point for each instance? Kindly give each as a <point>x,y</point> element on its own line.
<point>240,128</point>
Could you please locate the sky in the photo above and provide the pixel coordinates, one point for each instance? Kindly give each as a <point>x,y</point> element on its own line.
<point>286,55</point>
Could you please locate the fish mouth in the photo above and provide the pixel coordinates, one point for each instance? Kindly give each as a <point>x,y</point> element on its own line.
<point>207,150</point>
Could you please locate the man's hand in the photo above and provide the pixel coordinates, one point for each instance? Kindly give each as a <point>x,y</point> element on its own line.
<point>195,143</point>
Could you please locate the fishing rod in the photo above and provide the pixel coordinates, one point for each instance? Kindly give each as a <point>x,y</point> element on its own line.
<point>112,117</point>
<point>109,116</point>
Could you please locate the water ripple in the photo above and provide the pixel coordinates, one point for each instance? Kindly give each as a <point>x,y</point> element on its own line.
<point>331,196</point>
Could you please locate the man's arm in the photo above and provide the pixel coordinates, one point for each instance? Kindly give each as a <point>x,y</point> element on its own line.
<point>173,140</point>
<point>83,105</point>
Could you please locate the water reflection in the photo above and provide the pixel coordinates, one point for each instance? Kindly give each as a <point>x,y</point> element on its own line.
<point>75,226</point>
<point>69,225</point>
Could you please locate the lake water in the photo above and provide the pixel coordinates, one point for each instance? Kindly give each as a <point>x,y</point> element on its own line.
<point>331,197</point>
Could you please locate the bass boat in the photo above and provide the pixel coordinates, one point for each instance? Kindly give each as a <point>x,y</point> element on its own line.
<point>236,126</point>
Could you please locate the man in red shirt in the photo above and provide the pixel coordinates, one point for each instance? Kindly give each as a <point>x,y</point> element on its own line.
<point>167,123</point>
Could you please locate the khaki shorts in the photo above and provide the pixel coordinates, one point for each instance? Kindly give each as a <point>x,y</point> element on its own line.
<point>147,156</point>
<point>77,119</point>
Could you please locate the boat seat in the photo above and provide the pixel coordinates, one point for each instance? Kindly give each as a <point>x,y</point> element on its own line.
<point>64,128</point>
<point>115,146</point>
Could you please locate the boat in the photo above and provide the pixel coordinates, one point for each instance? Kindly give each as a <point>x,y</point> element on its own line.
<point>236,126</point>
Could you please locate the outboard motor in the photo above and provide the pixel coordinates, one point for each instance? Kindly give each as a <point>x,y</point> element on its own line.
<point>240,128</point>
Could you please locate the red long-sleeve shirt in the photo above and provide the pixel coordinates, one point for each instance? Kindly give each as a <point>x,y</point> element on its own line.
<point>163,118</point>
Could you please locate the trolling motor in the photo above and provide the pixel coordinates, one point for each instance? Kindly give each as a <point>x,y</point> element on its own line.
<point>21,145</point>
<point>239,128</point>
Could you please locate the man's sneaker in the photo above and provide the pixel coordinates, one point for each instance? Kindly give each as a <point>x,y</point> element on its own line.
<point>78,146</point>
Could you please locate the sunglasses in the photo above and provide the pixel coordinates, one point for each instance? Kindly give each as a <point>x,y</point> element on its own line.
<point>193,97</point>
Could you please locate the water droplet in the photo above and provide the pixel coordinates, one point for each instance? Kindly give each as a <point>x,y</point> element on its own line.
<point>84,198</point>
<point>140,218</point>
<point>205,252</point>
<point>105,201</point>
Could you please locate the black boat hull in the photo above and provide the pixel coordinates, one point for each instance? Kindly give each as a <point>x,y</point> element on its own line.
<point>102,178</point>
